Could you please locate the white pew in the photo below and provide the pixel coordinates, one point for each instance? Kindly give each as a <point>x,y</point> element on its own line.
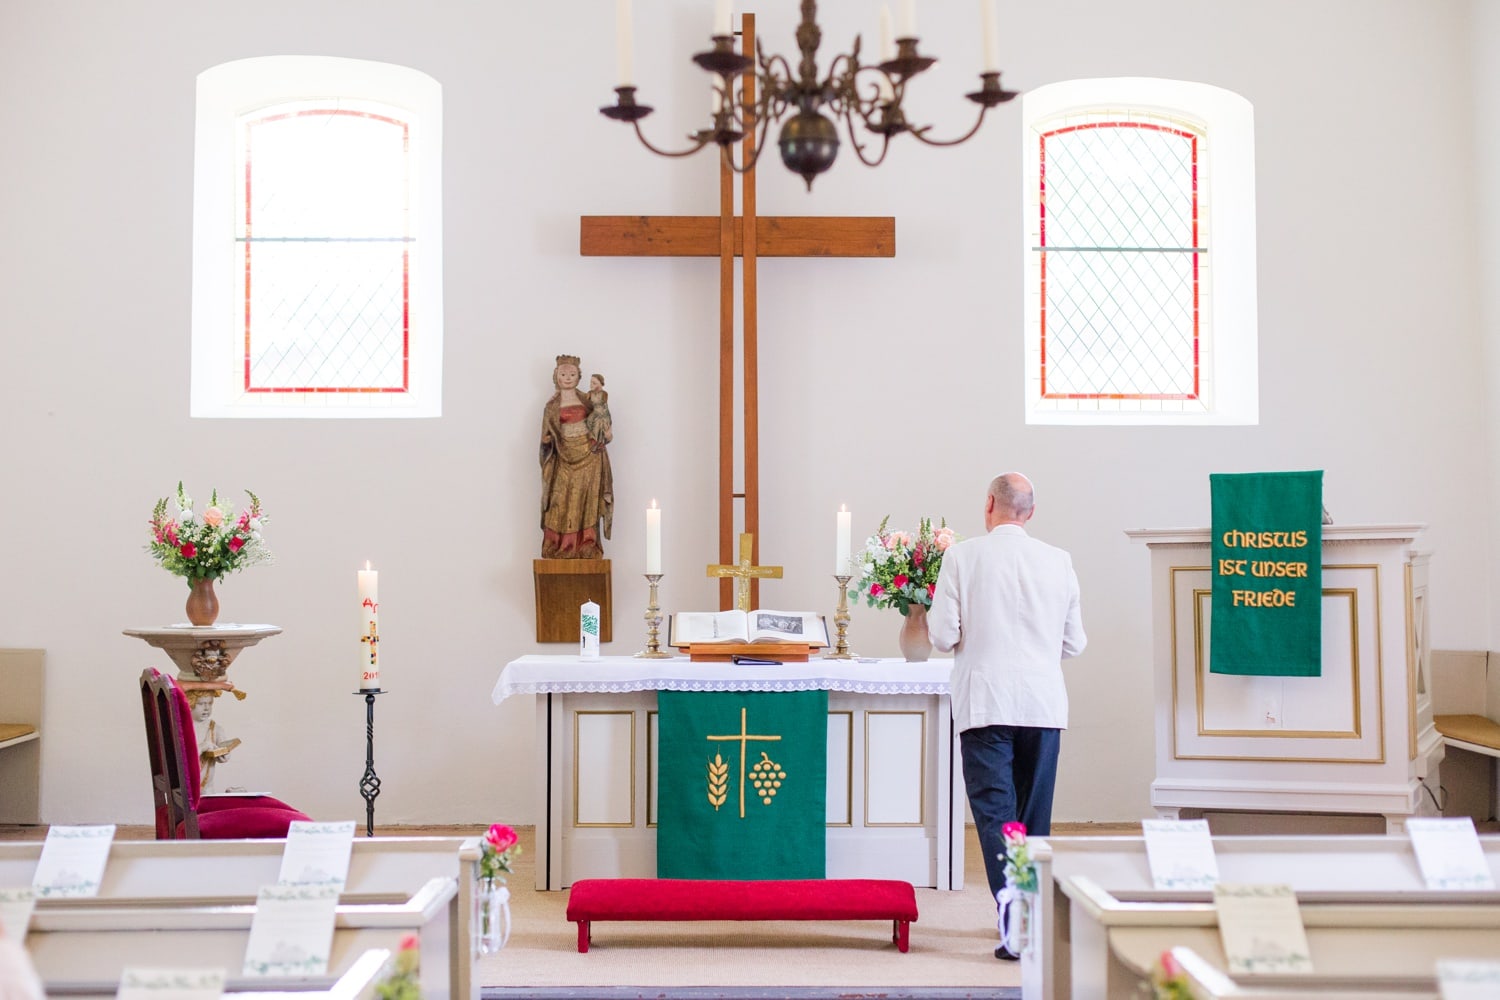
<point>1208,983</point>
<point>165,875</point>
<point>84,949</point>
<point>359,983</point>
<point>1320,869</point>
<point>1384,943</point>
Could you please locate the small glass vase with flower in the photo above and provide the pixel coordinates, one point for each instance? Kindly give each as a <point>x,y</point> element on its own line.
<point>1019,897</point>
<point>204,548</point>
<point>899,569</point>
<point>491,919</point>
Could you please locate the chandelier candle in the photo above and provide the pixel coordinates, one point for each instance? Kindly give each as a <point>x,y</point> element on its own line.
<point>623,40</point>
<point>369,629</point>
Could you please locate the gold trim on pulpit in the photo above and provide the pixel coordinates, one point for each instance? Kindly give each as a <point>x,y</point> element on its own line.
<point>576,823</point>
<point>921,775</point>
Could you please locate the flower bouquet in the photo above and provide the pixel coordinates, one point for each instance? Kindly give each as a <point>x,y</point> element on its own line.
<point>497,849</point>
<point>210,545</point>
<point>900,569</point>
<point>402,982</point>
<point>1169,981</point>
<point>1018,899</point>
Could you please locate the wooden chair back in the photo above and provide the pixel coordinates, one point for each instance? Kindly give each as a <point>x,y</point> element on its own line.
<point>168,743</point>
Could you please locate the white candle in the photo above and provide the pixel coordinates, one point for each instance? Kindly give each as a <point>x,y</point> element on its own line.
<point>887,43</point>
<point>841,543</point>
<point>991,36</point>
<point>908,19</point>
<point>721,18</point>
<point>886,91</point>
<point>623,43</point>
<point>653,538</point>
<point>369,628</point>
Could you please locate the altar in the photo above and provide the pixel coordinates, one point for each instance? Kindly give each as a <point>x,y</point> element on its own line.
<point>895,802</point>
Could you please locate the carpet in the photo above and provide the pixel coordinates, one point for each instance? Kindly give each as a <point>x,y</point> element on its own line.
<point>951,956</point>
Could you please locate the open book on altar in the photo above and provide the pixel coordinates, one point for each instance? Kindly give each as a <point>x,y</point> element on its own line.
<point>798,627</point>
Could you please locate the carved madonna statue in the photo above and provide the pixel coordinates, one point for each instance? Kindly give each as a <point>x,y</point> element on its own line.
<point>577,486</point>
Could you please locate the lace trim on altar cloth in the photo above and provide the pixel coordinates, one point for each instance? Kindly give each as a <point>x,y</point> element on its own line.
<point>626,685</point>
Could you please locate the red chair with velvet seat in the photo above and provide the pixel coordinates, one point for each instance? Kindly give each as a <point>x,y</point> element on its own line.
<point>183,812</point>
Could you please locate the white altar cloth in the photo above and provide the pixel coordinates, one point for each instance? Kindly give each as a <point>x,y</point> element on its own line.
<point>618,674</point>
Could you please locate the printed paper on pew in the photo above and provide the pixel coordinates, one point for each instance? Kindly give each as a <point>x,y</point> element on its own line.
<point>291,933</point>
<point>15,913</point>
<point>317,854</point>
<point>1449,854</point>
<point>171,984</point>
<point>1181,853</point>
<point>1261,928</point>
<point>1468,979</point>
<point>72,861</point>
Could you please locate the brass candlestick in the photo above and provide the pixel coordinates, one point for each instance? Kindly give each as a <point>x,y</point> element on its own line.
<point>653,624</point>
<point>841,622</point>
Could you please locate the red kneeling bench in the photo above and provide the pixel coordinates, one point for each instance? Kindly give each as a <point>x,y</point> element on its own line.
<point>720,899</point>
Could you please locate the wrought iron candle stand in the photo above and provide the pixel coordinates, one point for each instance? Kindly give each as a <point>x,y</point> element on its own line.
<point>653,624</point>
<point>369,782</point>
<point>841,622</point>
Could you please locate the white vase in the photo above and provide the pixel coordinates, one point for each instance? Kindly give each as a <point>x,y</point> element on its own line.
<point>491,916</point>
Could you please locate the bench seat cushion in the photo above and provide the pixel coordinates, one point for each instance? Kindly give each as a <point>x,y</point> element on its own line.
<point>715,899</point>
<point>14,731</point>
<point>1474,729</point>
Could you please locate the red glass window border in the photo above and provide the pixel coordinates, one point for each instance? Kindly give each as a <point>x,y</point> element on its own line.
<point>405,256</point>
<point>1042,244</point>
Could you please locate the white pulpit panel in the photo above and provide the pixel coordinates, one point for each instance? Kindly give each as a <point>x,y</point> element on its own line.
<point>1332,717</point>
<point>895,745</point>
<point>604,765</point>
<point>840,807</point>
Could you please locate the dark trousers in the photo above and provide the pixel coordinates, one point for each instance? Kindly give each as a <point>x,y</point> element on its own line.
<point>1009,772</point>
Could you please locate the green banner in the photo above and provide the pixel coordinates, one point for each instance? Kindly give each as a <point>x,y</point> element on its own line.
<point>741,780</point>
<point>1267,574</point>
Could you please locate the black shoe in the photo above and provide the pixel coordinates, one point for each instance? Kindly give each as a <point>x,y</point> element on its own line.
<point>1005,955</point>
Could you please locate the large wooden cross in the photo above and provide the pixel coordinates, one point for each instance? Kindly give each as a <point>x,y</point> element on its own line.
<point>747,236</point>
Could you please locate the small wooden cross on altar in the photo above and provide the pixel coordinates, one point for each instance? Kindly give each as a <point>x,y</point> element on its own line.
<point>743,572</point>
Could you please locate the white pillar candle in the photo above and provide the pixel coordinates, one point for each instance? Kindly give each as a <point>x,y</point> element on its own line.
<point>369,628</point>
<point>721,18</point>
<point>623,43</point>
<point>841,542</point>
<point>908,19</point>
<point>991,36</point>
<point>653,538</point>
<point>887,42</point>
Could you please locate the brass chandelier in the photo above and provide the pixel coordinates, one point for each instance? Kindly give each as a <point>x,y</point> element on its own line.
<point>857,94</point>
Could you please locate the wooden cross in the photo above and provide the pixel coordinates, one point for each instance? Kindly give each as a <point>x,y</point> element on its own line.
<point>748,237</point>
<point>744,572</point>
<point>742,737</point>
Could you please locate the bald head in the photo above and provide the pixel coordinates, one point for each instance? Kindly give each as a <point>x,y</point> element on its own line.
<point>1010,500</point>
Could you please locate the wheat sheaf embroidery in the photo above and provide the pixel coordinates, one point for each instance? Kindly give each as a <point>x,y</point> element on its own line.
<point>718,781</point>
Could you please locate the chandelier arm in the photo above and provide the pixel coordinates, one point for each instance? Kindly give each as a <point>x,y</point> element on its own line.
<point>701,139</point>
<point>764,126</point>
<point>859,147</point>
<point>920,134</point>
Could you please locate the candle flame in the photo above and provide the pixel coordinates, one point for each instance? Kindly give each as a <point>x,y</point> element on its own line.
<point>653,503</point>
<point>843,508</point>
<point>367,564</point>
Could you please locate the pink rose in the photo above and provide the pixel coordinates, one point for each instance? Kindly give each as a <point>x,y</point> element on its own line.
<point>900,581</point>
<point>943,538</point>
<point>931,589</point>
<point>236,543</point>
<point>409,943</point>
<point>1170,967</point>
<point>1013,831</point>
<point>188,550</point>
<point>501,838</point>
<point>213,517</point>
<point>876,590</point>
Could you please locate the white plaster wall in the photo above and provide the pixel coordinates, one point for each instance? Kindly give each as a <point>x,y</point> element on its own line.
<point>886,384</point>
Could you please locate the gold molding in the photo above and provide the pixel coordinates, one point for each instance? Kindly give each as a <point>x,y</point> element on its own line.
<point>1177,754</point>
<point>577,713</point>
<point>849,771</point>
<point>653,727</point>
<point>921,774</point>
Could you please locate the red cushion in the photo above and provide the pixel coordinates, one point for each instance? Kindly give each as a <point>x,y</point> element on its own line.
<point>184,711</point>
<point>250,821</point>
<point>726,899</point>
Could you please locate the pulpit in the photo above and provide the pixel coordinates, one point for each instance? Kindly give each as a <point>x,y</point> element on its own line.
<point>1358,738</point>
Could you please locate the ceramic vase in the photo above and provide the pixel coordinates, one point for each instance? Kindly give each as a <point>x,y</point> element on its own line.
<point>202,603</point>
<point>491,916</point>
<point>913,640</point>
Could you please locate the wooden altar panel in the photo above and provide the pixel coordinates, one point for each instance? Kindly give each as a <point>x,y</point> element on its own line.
<point>894,787</point>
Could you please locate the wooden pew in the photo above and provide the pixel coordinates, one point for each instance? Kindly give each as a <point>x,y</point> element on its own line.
<point>1384,943</point>
<point>1208,983</point>
<point>155,881</point>
<point>359,983</point>
<point>21,689</point>
<point>1325,869</point>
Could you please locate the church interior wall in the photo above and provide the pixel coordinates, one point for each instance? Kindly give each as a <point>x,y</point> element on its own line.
<point>894,386</point>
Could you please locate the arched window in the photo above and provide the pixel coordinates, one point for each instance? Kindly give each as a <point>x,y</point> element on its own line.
<point>1140,234</point>
<point>317,243</point>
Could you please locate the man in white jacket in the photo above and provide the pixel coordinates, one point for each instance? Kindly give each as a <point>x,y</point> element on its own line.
<point>1007,606</point>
